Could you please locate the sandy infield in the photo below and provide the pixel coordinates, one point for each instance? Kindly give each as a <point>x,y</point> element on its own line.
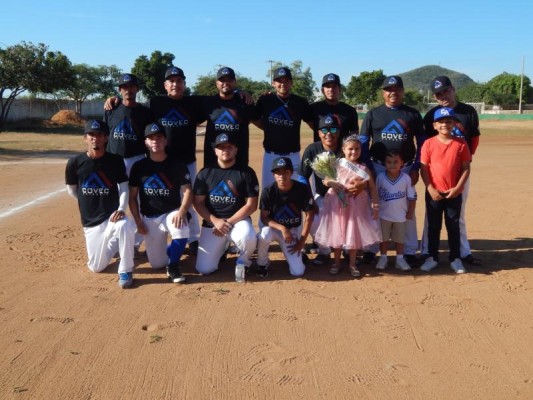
<point>67,333</point>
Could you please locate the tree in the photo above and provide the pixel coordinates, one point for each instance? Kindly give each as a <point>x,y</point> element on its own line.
<point>504,89</point>
<point>302,79</point>
<point>26,66</point>
<point>91,82</point>
<point>206,85</point>
<point>364,89</point>
<point>414,99</point>
<point>151,72</point>
<point>473,93</point>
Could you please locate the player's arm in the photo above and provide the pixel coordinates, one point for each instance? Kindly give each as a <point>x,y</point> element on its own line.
<point>133,202</point>
<point>72,191</point>
<point>180,218</point>
<point>111,103</point>
<point>122,202</point>
<point>306,229</point>
<point>465,173</point>
<point>221,226</point>
<point>268,221</point>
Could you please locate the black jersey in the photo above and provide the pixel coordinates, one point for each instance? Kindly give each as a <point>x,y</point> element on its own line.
<point>306,171</point>
<point>345,114</point>
<point>395,128</point>
<point>227,116</point>
<point>97,181</point>
<point>179,119</point>
<point>126,129</point>
<point>286,207</point>
<point>226,189</point>
<point>159,184</point>
<point>466,127</point>
<point>281,120</point>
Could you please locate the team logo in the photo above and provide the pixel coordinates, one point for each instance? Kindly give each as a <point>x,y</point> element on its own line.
<point>280,117</point>
<point>328,120</point>
<point>157,185</point>
<point>225,71</point>
<point>97,184</point>
<point>223,194</point>
<point>154,128</point>
<point>175,71</point>
<point>227,122</point>
<point>444,112</point>
<point>223,138</point>
<point>287,216</point>
<point>124,131</point>
<point>174,119</point>
<point>392,81</point>
<point>126,78</point>
<point>95,125</point>
<point>394,131</point>
<point>282,72</point>
<point>281,163</point>
<point>437,84</point>
<point>331,77</point>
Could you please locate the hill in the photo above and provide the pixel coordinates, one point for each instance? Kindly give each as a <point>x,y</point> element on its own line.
<point>420,78</point>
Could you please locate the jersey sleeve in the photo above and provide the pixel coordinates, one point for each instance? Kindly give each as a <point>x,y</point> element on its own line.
<point>252,183</point>
<point>135,176</point>
<point>200,185</point>
<point>71,177</point>
<point>264,200</point>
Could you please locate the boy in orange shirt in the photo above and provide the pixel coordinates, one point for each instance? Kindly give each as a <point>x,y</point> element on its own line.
<point>445,166</point>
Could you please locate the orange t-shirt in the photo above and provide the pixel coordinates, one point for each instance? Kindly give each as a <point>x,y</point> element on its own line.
<point>444,161</point>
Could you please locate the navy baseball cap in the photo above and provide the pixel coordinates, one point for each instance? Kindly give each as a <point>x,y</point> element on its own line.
<point>282,72</point>
<point>328,121</point>
<point>95,126</point>
<point>281,162</point>
<point>331,78</point>
<point>224,138</point>
<point>444,112</point>
<point>225,72</point>
<point>152,129</point>
<point>126,79</point>
<point>174,71</point>
<point>393,80</point>
<point>440,84</point>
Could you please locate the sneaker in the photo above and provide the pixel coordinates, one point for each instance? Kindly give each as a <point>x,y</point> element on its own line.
<point>457,266</point>
<point>193,247</point>
<point>429,264</point>
<point>174,273</point>
<point>261,271</point>
<point>411,259</point>
<point>368,257</point>
<point>125,279</point>
<point>334,270</point>
<point>321,259</point>
<point>382,263</point>
<point>470,259</point>
<point>311,248</point>
<point>402,264</point>
<point>355,272</point>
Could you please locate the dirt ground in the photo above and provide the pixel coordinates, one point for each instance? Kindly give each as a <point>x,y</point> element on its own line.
<point>67,333</point>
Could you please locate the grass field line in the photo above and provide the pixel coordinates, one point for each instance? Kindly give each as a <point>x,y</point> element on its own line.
<point>17,209</point>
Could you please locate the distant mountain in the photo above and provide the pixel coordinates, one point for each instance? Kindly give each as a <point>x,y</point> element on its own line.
<point>420,78</point>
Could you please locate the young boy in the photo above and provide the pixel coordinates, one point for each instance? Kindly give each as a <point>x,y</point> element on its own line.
<point>397,200</point>
<point>445,168</point>
<point>281,205</point>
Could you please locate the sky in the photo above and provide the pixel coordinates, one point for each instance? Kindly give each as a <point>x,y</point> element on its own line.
<point>480,39</point>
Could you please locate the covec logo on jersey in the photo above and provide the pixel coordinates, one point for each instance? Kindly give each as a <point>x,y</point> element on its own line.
<point>124,131</point>
<point>95,185</point>
<point>222,194</point>
<point>174,119</point>
<point>154,186</point>
<point>287,216</point>
<point>226,122</point>
<point>280,117</point>
<point>394,131</point>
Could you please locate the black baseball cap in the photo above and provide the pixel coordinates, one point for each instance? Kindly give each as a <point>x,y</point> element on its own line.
<point>331,78</point>
<point>152,129</point>
<point>224,138</point>
<point>126,79</point>
<point>393,80</point>
<point>174,71</point>
<point>440,84</point>
<point>281,162</point>
<point>225,72</point>
<point>328,121</point>
<point>95,126</point>
<point>282,72</point>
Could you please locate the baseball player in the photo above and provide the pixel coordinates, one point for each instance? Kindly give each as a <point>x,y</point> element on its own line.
<point>225,196</point>
<point>227,113</point>
<point>467,128</point>
<point>281,207</point>
<point>126,123</point>
<point>156,183</point>
<point>98,180</point>
<point>280,117</point>
<point>345,114</point>
<point>394,126</point>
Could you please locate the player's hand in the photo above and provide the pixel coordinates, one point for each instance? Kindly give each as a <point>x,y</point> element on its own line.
<point>111,103</point>
<point>287,237</point>
<point>222,226</point>
<point>117,216</point>
<point>297,247</point>
<point>179,219</point>
<point>246,96</point>
<point>141,228</point>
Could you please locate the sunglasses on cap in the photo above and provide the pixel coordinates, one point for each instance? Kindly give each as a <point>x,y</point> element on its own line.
<point>332,131</point>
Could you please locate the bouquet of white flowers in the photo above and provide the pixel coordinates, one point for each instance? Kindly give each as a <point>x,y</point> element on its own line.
<point>324,165</point>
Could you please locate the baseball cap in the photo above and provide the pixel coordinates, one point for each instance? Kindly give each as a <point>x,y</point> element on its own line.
<point>331,78</point>
<point>328,121</point>
<point>225,72</point>
<point>444,112</point>
<point>225,138</point>
<point>281,162</point>
<point>174,71</point>
<point>96,126</point>
<point>153,128</point>
<point>282,72</point>
<point>127,79</point>
<point>393,80</point>
<point>440,84</point>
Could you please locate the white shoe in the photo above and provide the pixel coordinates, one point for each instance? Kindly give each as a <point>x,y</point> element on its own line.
<point>457,266</point>
<point>402,265</point>
<point>429,264</point>
<point>382,262</point>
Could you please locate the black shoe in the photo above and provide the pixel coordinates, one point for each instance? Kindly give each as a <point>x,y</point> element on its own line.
<point>305,259</point>
<point>174,273</point>
<point>321,259</point>
<point>412,260</point>
<point>261,271</point>
<point>470,259</point>
<point>193,247</point>
<point>368,257</point>
<point>311,248</point>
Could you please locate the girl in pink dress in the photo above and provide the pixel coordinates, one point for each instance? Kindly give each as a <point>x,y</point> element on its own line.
<point>347,221</point>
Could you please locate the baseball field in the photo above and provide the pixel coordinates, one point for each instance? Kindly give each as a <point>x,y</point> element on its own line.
<point>67,333</point>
